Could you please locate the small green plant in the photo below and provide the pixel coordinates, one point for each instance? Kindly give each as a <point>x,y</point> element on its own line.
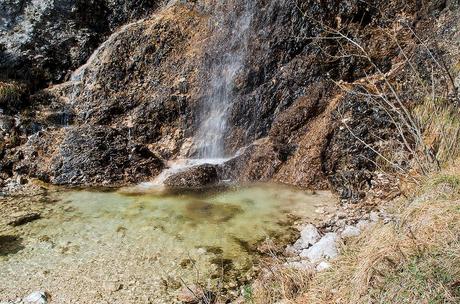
<point>247,293</point>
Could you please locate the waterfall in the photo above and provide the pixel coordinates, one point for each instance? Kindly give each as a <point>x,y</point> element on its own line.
<point>232,29</point>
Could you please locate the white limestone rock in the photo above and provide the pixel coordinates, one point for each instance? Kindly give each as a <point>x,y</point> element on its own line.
<point>309,235</point>
<point>349,232</point>
<point>325,248</point>
<point>37,297</point>
<point>323,266</point>
<point>374,216</point>
<point>291,251</point>
<point>363,225</point>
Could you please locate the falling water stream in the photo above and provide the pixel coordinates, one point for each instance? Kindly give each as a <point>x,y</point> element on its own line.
<point>232,28</point>
<point>234,20</point>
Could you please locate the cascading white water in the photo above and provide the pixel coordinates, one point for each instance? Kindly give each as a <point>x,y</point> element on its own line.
<point>234,21</point>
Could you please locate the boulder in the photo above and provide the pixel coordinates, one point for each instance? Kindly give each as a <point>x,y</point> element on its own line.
<point>308,236</point>
<point>350,231</point>
<point>326,248</point>
<point>194,178</point>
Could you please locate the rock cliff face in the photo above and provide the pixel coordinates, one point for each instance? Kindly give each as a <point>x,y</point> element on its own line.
<point>42,41</point>
<point>113,115</point>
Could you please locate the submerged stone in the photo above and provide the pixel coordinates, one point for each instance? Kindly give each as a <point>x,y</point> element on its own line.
<point>112,286</point>
<point>21,218</point>
<point>212,212</point>
<point>10,244</point>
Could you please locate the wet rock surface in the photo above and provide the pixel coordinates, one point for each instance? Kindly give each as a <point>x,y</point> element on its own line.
<point>203,176</point>
<point>257,162</point>
<point>90,156</point>
<point>145,85</point>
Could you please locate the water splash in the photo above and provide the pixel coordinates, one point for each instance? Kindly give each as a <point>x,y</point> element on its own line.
<point>235,21</point>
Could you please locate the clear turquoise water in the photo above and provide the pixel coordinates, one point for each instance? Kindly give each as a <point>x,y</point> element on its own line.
<point>150,243</point>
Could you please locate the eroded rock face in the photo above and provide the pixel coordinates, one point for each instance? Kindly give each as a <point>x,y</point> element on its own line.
<point>140,94</point>
<point>88,156</point>
<point>348,160</point>
<point>257,162</point>
<point>82,132</point>
<point>43,40</point>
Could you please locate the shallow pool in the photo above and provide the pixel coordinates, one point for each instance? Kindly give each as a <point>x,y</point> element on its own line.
<point>126,247</point>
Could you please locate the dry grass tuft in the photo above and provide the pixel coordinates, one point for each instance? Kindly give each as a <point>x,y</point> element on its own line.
<point>413,259</point>
<point>440,119</point>
<point>278,282</point>
<point>11,93</point>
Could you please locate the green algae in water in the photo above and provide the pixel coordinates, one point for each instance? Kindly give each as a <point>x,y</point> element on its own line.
<point>155,242</point>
